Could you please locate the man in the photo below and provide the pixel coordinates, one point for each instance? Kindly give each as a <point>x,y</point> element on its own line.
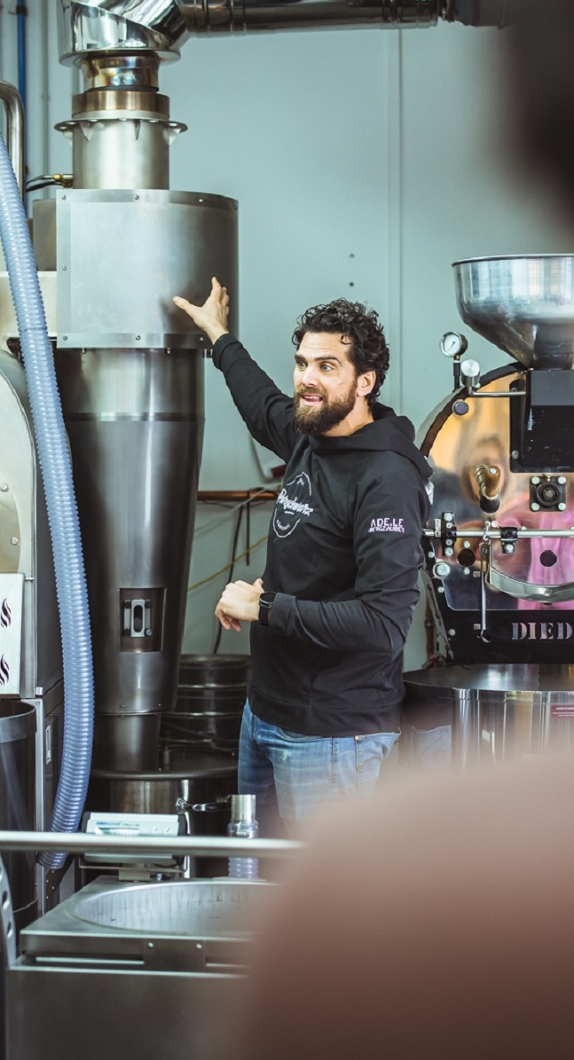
<point>330,617</point>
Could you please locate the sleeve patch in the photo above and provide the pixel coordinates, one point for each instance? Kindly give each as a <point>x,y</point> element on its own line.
<point>387,526</point>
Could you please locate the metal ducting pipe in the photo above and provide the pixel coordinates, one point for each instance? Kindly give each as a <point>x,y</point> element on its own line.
<point>162,26</point>
<point>12,103</point>
<point>120,25</point>
<point>210,16</point>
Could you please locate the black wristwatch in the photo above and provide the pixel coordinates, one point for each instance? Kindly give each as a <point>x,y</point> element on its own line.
<point>265,605</point>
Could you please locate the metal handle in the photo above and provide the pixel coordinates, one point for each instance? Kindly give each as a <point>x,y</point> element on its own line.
<point>544,594</point>
<point>494,533</point>
<point>488,481</point>
<point>197,846</point>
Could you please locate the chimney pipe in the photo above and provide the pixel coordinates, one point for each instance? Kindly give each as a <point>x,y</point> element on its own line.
<point>162,26</point>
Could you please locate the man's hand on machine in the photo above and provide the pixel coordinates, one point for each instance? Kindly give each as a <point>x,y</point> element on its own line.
<point>239,603</point>
<point>211,317</point>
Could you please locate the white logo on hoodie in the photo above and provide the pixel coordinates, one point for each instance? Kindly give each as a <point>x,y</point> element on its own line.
<point>292,504</point>
<point>387,526</point>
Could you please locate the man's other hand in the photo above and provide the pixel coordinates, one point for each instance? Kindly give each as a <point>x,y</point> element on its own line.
<point>212,316</point>
<point>239,603</point>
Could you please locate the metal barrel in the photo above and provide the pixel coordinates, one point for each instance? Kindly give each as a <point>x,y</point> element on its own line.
<point>209,706</point>
<point>217,670</point>
<point>211,727</point>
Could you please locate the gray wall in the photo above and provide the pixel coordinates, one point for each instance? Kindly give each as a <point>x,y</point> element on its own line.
<point>364,163</point>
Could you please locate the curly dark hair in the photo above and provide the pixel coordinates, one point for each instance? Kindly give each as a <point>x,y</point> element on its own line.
<point>368,350</point>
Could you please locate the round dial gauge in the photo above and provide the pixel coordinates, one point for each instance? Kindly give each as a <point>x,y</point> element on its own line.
<point>452,344</point>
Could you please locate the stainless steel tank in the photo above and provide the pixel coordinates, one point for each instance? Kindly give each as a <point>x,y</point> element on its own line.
<point>150,970</point>
<point>463,716</point>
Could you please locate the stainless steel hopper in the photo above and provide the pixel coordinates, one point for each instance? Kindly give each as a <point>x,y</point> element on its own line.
<point>523,304</point>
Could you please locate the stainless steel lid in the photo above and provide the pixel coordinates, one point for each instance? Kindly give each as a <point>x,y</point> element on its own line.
<point>496,677</point>
<point>243,807</point>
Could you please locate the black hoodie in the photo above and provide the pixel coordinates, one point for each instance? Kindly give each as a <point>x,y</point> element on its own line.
<point>343,554</point>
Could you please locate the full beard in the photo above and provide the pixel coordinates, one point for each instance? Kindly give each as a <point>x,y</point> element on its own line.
<point>329,414</point>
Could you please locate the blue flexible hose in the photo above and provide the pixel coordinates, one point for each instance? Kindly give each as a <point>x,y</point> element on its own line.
<point>54,459</point>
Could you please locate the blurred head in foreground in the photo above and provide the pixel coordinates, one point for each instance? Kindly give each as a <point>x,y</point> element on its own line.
<point>437,923</point>
<point>540,90</point>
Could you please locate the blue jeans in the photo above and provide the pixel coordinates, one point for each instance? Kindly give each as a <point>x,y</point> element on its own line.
<point>292,774</point>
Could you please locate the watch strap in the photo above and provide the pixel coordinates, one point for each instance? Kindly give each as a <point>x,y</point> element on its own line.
<point>266,601</point>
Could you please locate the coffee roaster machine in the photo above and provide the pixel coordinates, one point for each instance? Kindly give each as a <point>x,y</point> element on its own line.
<point>499,549</point>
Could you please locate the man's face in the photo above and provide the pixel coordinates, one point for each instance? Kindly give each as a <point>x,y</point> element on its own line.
<point>325,384</point>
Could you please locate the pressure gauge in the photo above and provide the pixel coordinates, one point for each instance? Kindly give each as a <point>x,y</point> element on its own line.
<point>452,344</point>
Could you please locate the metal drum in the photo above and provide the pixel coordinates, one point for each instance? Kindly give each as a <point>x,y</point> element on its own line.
<point>214,671</point>
<point>481,715</point>
<point>210,698</point>
<point>17,739</point>
<point>214,729</point>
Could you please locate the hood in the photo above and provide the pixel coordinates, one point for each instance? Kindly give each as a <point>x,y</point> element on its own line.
<point>387,432</point>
